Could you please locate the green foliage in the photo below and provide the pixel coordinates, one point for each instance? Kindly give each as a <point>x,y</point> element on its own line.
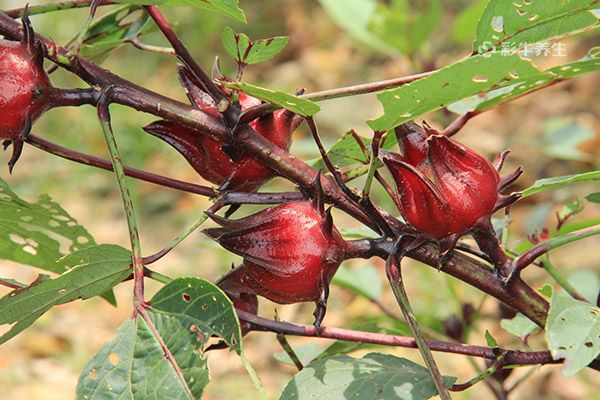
<point>226,7</point>
<point>133,365</point>
<point>295,104</point>
<point>347,151</point>
<point>572,332</point>
<point>201,304</point>
<point>38,233</point>
<point>90,272</point>
<point>457,81</point>
<point>520,325</point>
<point>246,51</point>
<point>559,182</point>
<point>375,376</point>
<point>528,22</point>
<point>593,197</point>
<point>363,281</point>
<point>490,340</point>
<point>305,353</point>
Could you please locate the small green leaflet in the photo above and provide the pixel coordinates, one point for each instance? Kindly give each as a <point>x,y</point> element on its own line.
<point>463,79</point>
<point>489,339</point>
<point>39,233</point>
<point>347,151</point>
<point>298,105</point>
<point>572,332</point>
<point>559,182</point>
<point>229,8</point>
<point>593,197</point>
<point>133,365</point>
<point>204,305</point>
<point>514,23</point>
<point>246,51</point>
<point>91,272</point>
<point>520,325</point>
<point>376,376</point>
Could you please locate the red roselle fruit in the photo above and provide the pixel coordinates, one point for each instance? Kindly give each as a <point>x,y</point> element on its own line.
<point>291,253</point>
<point>24,89</point>
<point>214,160</point>
<point>446,190</point>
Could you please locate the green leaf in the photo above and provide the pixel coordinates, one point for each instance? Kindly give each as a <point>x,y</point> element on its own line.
<point>39,233</point>
<point>347,151</point>
<point>375,376</point>
<point>295,104</point>
<point>489,339</point>
<point>593,197</point>
<point>520,325</point>
<point>570,209</point>
<point>465,23</point>
<point>563,138</point>
<point>546,290</point>
<point>226,7</point>
<point>465,78</point>
<point>90,272</point>
<point>587,284</point>
<point>507,22</point>
<point>133,365</point>
<point>355,17</point>
<point>204,305</point>
<point>364,281</point>
<point>559,182</point>
<point>306,353</point>
<point>111,31</point>
<point>246,51</point>
<point>572,332</point>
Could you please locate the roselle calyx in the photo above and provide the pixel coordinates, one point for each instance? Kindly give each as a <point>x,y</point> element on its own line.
<point>218,162</point>
<point>24,89</point>
<point>446,190</point>
<point>290,251</point>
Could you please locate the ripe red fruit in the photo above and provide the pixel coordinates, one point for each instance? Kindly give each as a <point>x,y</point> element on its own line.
<point>213,159</point>
<point>445,189</point>
<point>291,253</point>
<point>24,89</point>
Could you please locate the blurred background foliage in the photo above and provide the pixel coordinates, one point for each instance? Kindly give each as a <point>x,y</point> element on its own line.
<point>332,43</point>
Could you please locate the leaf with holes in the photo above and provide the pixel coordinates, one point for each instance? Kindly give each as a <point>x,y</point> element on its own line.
<point>531,83</point>
<point>559,182</point>
<point>111,31</point>
<point>572,332</point>
<point>290,102</point>
<point>525,21</point>
<point>205,306</point>
<point>375,376</point>
<point>364,281</point>
<point>39,233</point>
<point>133,365</point>
<point>246,51</point>
<point>463,79</point>
<point>90,272</point>
<point>229,8</point>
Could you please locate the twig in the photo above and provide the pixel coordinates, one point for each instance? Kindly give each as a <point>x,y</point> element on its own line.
<point>229,198</point>
<point>498,363</point>
<point>98,162</point>
<point>459,123</point>
<point>136,42</point>
<point>394,274</point>
<point>11,283</point>
<point>58,6</point>
<point>289,351</point>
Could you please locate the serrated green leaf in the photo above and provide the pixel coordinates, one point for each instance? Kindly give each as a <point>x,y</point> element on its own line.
<point>520,325</point>
<point>111,31</point>
<point>375,376</point>
<point>39,233</point>
<point>463,79</point>
<point>364,281</point>
<point>228,8</point>
<point>133,365</point>
<point>559,182</point>
<point>90,272</point>
<point>518,22</point>
<point>593,197</point>
<point>204,305</point>
<point>290,102</point>
<point>246,51</point>
<point>572,332</point>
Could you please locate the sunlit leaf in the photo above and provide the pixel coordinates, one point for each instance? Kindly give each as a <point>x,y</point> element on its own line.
<point>364,281</point>
<point>229,8</point>
<point>520,325</point>
<point>246,51</point>
<point>290,102</point>
<point>559,182</point>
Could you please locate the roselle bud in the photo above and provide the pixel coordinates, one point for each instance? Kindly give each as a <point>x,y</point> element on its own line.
<point>445,189</point>
<point>24,89</point>
<point>291,253</point>
<point>214,160</point>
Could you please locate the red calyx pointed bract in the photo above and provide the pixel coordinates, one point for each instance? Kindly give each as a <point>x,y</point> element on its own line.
<point>291,253</point>
<point>213,159</point>
<point>24,88</point>
<point>445,189</point>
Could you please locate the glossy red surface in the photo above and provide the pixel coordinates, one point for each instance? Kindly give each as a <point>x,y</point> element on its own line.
<point>23,88</point>
<point>289,252</point>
